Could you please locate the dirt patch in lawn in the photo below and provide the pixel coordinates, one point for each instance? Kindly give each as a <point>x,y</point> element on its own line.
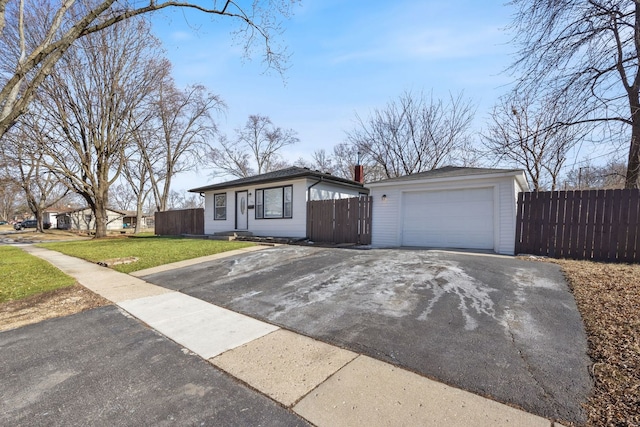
<point>32,236</point>
<point>47,305</point>
<point>608,297</point>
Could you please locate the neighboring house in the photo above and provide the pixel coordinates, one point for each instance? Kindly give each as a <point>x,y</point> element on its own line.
<point>130,218</point>
<point>272,204</point>
<point>50,215</point>
<point>82,219</point>
<point>450,207</point>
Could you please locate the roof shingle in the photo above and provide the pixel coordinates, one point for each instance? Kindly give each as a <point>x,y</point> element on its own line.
<point>279,175</point>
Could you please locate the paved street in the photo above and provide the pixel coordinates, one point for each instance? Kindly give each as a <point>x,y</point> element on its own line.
<point>102,368</point>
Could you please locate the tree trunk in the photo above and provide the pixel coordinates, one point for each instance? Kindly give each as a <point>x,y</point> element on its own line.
<point>633,165</point>
<point>101,218</point>
<point>139,217</point>
<point>39,220</point>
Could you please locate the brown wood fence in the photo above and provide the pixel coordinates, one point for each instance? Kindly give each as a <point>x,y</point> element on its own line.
<point>340,220</point>
<point>179,222</point>
<point>601,225</point>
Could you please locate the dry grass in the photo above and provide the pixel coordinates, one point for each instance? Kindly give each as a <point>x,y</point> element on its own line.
<point>608,297</point>
<point>32,236</point>
<point>48,305</point>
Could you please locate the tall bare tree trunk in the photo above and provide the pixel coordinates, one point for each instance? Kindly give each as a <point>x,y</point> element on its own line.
<point>139,216</point>
<point>100,213</point>
<point>633,166</point>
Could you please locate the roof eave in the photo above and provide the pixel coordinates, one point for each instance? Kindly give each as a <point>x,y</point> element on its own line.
<point>325,178</point>
<point>518,174</point>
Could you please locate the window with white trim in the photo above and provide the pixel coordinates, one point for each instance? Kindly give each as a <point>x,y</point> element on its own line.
<point>276,202</point>
<point>220,206</point>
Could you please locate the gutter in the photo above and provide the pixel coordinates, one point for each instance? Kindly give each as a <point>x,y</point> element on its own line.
<point>311,186</point>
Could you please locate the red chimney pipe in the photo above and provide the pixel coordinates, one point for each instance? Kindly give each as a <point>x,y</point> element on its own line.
<point>359,174</point>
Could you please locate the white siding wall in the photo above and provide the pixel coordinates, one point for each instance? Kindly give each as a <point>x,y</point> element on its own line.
<point>506,240</point>
<point>51,218</point>
<point>387,214</point>
<point>115,221</point>
<point>273,227</point>
<point>78,221</point>
<point>212,226</point>
<point>296,226</point>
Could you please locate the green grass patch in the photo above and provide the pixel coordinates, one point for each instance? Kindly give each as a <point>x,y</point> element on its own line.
<point>24,275</point>
<point>151,251</point>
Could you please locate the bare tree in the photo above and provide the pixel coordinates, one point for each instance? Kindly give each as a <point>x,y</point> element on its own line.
<point>34,36</point>
<point>89,104</point>
<point>588,176</point>
<point>141,158</point>
<point>320,160</point>
<point>345,157</point>
<point>342,162</point>
<point>589,52</point>
<point>175,200</point>
<point>179,200</point>
<point>29,171</point>
<point>185,126</point>
<point>9,197</point>
<point>414,133</point>
<point>256,149</point>
<point>522,133</point>
<point>135,191</point>
<point>122,197</point>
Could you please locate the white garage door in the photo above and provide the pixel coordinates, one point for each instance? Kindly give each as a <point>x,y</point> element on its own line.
<point>448,219</point>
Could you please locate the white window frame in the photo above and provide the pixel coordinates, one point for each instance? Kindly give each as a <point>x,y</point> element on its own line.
<point>216,217</point>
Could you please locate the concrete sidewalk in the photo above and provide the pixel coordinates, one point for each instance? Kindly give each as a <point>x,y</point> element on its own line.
<point>326,385</point>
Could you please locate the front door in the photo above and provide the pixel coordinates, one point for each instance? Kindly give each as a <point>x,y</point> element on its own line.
<point>242,214</point>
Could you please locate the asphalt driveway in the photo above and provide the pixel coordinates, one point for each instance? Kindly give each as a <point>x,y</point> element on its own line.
<point>497,326</point>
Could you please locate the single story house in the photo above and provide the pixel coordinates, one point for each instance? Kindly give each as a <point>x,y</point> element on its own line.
<point>449,207</point>
<point>50,215</point>
<point>272,204</point>
<point>130,218</point>
<point>82,219</point>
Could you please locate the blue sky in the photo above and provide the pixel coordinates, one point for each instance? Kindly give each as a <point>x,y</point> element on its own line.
<point>347,57</point>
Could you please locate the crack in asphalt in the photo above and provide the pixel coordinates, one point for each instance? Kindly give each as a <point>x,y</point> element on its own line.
<point>548,396</point>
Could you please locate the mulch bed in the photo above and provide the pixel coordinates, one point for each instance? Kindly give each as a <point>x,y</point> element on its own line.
<point>608,297</point>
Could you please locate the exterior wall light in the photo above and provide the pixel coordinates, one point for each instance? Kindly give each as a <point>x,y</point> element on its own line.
<point>384,197</point>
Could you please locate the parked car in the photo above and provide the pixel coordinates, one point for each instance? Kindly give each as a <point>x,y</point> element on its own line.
<point>30,223</point>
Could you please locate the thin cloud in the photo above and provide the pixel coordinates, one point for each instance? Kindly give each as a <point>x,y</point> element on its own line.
<point>179,36</point>
<point>427,45</point>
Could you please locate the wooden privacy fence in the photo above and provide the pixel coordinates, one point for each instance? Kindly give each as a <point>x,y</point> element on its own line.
<point>179,222</point>
<point>340,220</point>
<point>601,225</point>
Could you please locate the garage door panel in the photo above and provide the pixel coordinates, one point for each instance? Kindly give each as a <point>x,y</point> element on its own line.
<point>451,218</point>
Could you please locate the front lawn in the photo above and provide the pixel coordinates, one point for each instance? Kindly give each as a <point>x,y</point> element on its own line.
<point>151,251</point>
<point>24,275</point>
